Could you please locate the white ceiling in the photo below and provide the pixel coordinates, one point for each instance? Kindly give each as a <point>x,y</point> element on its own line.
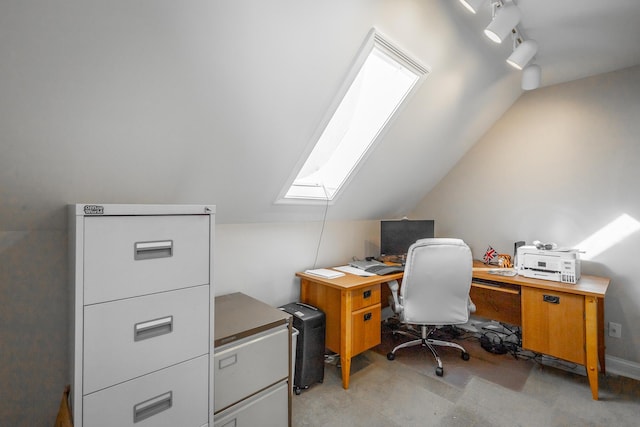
<point>204,101</point>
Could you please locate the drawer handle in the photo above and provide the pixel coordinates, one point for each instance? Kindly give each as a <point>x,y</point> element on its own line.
<point>227,361</point>
<point>153,406</point>
<point>551,299</point>
<point>366,294</point>
<point>367,316</point>
<point>151,250</point>
<point>152,328</point>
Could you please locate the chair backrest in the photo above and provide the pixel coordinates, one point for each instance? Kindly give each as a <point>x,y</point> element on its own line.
<point>436,283</point>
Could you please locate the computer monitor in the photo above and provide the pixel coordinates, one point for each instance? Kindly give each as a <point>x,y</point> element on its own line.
<point>397,235</point>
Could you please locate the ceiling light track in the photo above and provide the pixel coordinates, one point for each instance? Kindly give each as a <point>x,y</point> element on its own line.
<point>506,16</point>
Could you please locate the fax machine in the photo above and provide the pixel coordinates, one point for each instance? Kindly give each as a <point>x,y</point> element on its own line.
<point>560,265</point>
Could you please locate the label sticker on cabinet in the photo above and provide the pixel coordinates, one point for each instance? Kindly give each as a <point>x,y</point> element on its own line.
<point>93,210</point>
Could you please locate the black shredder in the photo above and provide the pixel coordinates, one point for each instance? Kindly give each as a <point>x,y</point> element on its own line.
<point>311,324</point>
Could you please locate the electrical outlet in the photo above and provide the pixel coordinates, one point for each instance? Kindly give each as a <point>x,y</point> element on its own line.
<point>615,330</point>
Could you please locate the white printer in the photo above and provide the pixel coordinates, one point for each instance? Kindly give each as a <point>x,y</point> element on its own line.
<point>560,265</point>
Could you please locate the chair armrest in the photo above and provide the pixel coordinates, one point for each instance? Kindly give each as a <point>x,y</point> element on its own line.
<point>395,304</point>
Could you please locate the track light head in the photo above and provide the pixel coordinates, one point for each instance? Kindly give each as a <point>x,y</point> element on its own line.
<point>531,77</point>
<point>504,21</point>
<point>473,5</point>
<point>523,54</point>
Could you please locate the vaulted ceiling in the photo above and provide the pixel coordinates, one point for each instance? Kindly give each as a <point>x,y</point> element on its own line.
<point>216,101</point>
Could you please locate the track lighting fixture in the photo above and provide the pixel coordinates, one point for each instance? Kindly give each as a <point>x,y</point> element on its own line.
<point>507,16</point>
<point>531,77</point>
<point>473,5</point>
<point>522,54</point>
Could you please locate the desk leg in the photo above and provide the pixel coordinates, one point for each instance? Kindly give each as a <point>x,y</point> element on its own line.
<point>346,331</point>
<point>601,346</point>
<point>592,343</point>
<point>346,371</point>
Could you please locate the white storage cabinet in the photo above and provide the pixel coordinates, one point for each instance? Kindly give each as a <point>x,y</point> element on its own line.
<point>142,315</point>
<point>252,362</point>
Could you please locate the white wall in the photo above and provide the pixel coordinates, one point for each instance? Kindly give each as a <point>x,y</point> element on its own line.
<point>561,164</point>
<point>261,259</point>
<point>33,326</point>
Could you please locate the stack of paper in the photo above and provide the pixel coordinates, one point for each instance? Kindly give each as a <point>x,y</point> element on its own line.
<point>325,272</point>
<point>353,270</point>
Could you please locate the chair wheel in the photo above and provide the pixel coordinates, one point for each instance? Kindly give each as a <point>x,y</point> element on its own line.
<point>391,356</point>
<point>439,371</point>
<point>297,391</point>
<point>465,355</point>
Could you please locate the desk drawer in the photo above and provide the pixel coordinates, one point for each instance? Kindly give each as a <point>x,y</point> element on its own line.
<point>128,338</point>
<point>269,408</point>
<point>176,396</point>
<point>553,324</point>
<point>366,329</point>
<point>250,365</point>
<point>365,297</point>
<point>127,256</point>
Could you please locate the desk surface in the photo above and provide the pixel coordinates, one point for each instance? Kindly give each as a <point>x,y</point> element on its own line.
<point>587,285</point>
<point>351,281</point>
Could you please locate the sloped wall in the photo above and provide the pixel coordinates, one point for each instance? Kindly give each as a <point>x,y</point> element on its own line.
<point>559,166</point>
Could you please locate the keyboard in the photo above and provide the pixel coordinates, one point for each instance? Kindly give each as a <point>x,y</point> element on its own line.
<point>383,269</point>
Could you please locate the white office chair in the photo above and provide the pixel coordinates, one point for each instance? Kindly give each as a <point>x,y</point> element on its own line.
<point>434,293</point>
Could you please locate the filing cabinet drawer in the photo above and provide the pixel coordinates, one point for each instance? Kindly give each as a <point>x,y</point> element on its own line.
<point>126,256</point>
<point>266,409</point>
<point>365,297</point>
<point>128,338</point>
<point>176,396</point>
<point>366,329</point>
<point>248,365</point>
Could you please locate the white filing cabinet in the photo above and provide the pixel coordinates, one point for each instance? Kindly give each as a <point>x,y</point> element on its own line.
<point>252,363</point>
<point>142,315</point>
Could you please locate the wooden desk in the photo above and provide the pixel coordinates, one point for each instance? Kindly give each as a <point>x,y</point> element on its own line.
<point>352,307</point>
<point>559,319</point>
<point>570,326</point>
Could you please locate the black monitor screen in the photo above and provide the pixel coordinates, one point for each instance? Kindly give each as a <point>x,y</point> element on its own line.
<point>397,236</point>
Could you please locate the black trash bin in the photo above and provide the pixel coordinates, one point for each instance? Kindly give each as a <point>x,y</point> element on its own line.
<point>311,325</point>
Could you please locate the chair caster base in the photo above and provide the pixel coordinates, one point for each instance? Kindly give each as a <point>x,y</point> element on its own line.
<point>465,355</point>
<point>391,356</point>
<point>439,371</point>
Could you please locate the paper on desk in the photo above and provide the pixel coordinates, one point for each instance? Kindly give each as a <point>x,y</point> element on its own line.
<point>324,272</point>
<point>503,271</point>
<point>353,270</point>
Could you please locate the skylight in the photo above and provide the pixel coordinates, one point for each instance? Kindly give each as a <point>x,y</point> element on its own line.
<point>377,87</point>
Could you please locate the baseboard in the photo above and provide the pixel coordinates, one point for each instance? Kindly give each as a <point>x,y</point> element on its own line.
<point>622,367</point>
